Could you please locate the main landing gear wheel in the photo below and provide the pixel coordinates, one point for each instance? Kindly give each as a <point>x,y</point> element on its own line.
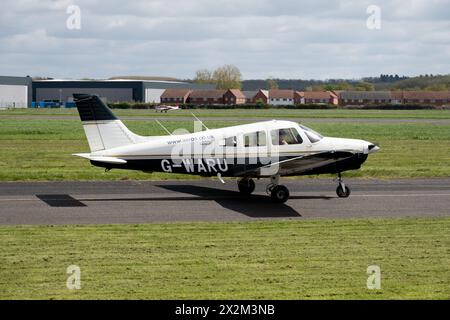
<point>279,194</point>
<point>342,190</point>
<point>246,186</point>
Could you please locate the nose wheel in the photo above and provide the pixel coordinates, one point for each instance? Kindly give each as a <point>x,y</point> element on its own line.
<point>342,190</point>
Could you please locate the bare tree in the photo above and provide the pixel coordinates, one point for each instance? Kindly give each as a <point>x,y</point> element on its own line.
<point>228,77</point>
<point>204,76</point>
<point>271,84</point>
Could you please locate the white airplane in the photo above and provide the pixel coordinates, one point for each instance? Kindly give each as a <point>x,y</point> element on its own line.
<point>164,108</point>
<point>268,149</point>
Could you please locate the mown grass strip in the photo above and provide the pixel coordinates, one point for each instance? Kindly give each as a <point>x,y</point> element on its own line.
<point>252,260</point>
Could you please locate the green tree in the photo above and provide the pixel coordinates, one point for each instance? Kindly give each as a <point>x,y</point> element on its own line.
<point>338,86</point>
<point>437,87</point>
<point>227,77</point>
<point>318,88</point>
<point>364,86</point>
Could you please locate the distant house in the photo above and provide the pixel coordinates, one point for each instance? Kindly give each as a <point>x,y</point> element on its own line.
<point>364,97</point>
<point>299,97</point>
<point>311,97</point>
<point>262,96</point>
<point>175,96</point>
<point>396,97</point>
<point>206,96</point>
<point>426,97</point>
<point>249,96</point>
<point>279,97</point>
<point>234,96</point>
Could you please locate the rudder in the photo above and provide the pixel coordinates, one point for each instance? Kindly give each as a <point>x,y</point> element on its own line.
<point>102,128</point>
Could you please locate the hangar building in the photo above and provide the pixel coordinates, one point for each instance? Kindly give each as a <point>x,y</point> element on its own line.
<point>15,92</point>
<point>109,90</point>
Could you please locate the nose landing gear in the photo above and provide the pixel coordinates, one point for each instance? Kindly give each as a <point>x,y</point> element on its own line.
<point>342,190</point>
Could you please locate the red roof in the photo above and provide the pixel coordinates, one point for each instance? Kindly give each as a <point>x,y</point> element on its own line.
<point>426,95</point>
<point>175,93</point>
<point>237,93</point>
<point>398,95</point>
<point>281,94</point>
<point>209,94</point>
<point>318,95</point>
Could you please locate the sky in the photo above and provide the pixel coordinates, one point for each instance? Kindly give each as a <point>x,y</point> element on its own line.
<point>288,39</point>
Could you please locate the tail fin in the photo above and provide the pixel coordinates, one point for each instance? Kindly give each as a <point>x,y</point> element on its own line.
<point>102,128</point>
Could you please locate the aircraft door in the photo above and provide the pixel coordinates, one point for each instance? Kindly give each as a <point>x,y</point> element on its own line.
<point>256,149</point>
<point>287,142</point>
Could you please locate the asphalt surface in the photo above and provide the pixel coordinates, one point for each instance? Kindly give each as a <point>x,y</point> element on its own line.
<point>47,203</point>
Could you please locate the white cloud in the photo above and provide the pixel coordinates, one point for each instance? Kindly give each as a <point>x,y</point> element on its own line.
<point>290,39</point>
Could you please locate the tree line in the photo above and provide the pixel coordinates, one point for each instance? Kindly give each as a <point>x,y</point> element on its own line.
<point>230,77</point>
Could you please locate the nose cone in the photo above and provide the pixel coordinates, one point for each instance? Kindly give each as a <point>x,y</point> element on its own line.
<point>373,148</point>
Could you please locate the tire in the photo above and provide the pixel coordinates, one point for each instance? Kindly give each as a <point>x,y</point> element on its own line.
<point>279,194</point>
<point>341,193</point>
<point>246,186</point>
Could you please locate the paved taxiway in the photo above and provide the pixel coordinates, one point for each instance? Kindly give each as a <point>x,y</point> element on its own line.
<point>162,117</point>
<point>209,200</point>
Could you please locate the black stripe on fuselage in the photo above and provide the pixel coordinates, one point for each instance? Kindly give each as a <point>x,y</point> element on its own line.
<point>343,161</point>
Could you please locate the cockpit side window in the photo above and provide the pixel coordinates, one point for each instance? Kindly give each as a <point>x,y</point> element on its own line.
<point>312,135</point>
<point>285,137</point>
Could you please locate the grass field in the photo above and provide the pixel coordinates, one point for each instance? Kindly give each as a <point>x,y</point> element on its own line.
<point>40,148</point>
<point>256,260</point>
<point>271,113</point>
<point>294,259</point>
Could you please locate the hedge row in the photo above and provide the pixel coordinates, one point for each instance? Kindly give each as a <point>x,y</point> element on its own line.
<point>130,105</point>
<point>127,105</point>
<point>397,107</point>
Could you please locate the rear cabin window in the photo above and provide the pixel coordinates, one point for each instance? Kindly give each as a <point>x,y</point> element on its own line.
<point>231,141</point>
<point>255,139</point>
<point>285,137</point>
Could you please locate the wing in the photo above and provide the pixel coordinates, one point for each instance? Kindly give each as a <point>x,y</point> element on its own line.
<point>298,164</point>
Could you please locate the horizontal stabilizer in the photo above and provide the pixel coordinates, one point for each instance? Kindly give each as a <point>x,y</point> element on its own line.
<point>111,160</point>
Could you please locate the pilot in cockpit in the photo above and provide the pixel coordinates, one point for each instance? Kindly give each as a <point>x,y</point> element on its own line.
<point>283,139</point>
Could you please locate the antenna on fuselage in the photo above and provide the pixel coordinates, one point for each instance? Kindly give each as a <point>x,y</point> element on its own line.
<point>200,121</point>
<point>163,127</point>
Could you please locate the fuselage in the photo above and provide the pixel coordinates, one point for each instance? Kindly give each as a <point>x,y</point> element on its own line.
<point>253,150</point>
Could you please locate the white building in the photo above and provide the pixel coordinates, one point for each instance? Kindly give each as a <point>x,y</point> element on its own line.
<point>15,92</point>
<point>279,97</point>
<point>116,90</point>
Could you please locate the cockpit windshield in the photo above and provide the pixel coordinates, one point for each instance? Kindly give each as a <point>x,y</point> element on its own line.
<point>312,135</point>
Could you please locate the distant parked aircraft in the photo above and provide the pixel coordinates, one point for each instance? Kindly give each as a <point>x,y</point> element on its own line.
<point>268,149</point>
<point>164,108</point>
